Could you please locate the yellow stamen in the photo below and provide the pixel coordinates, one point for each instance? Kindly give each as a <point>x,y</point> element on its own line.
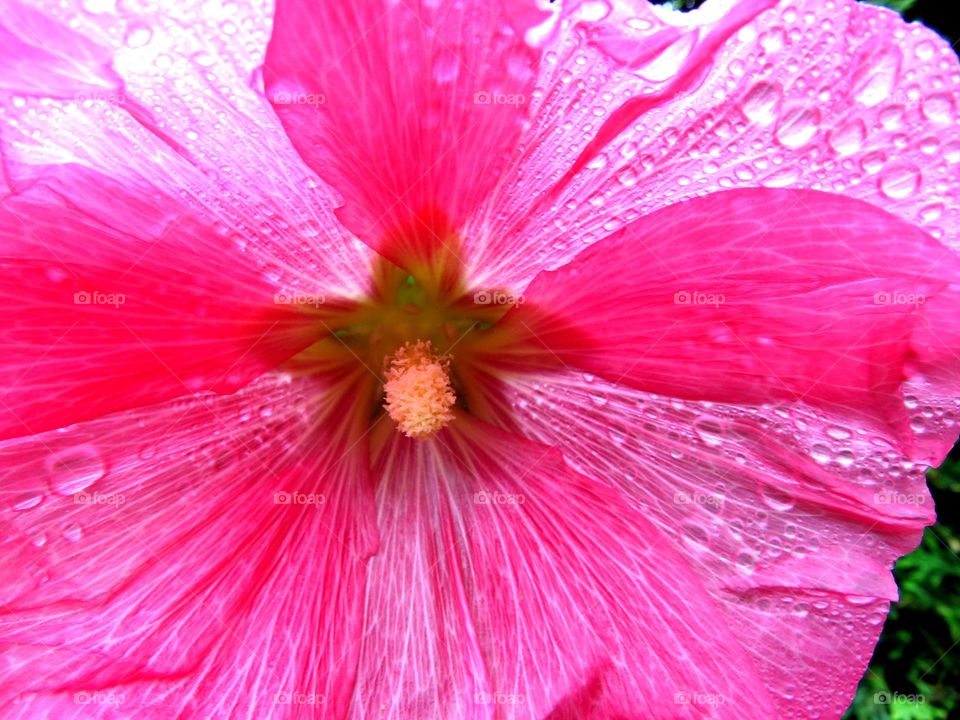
<point>419,395</point>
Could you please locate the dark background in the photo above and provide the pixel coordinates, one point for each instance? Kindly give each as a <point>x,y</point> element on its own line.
<point>915,670</point>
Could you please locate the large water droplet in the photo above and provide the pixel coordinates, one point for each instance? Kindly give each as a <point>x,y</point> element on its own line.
<point>900,181</point>
<point>798,127</point>
<point>74,470</point>
<point>847,139</point>
<point>874,81</point>
<point>777,499</point>
<point>939,108</point>
<point>761,105</point>
<point>709,429</point>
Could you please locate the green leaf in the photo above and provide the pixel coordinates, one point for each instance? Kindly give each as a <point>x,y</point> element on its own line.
<point>898,5</point>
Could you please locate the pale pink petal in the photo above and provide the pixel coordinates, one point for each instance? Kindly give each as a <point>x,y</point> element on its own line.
<point>752,297</point>
<point>121,296</point>
<point>408,110</point>
<point>509,585</point>
<point>188,115</point>
<point>792,518</point>
<point>200,558</point>
<point>843,97</point>
<point>39,51</point>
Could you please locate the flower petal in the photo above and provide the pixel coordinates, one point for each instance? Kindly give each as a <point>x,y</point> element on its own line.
<point>186,115</point>
<point>200,558</point>
<point>406,109</point>
<point>751,297</point>
<point>37,51</point>
<point>121,296</point>
<point>510,585</point>
<point>850,100</point>
<point>792,519</point>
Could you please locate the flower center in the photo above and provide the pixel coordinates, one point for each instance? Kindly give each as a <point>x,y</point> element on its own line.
<point>417,388</point>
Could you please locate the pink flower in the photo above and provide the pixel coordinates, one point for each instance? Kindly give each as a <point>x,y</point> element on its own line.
<point>467,360</point>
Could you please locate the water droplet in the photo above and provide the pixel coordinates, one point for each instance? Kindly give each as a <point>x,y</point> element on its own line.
<point>627,177</point>
<point>74,470</point>
<point>798,127</point>
<point>138,36</point>
<point>73,532</point>
<point>951,152</point>
<point>924,50</point>
<point>761,105</point>
<point>776,498</point>
<point>900,181</point>
<point>875,79</point>
<point>939,109</point>
<point>26,501</point>
<point>847,139</point>
<point>873,162</point>
<point>709,430</point>
<point>930,213</point>
<point>772,40</point>
<point>838,433</point>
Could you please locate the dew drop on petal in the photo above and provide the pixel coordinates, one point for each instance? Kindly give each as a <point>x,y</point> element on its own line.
<point>74,470</point>
<point>761,105</point>
<point>26,501</point>
<point>798,127</point>
<point>939,109</point>
<point>138,36</point>
<point>777,499</point>
<point>876,78</point>
<point>900,181</point>
<point>847,139</point>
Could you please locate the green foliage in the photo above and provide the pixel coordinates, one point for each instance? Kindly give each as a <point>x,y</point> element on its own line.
<point>898,5</point>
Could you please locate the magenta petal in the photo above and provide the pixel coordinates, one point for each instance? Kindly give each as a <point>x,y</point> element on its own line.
<point>509,585</point>
<point>791,518</point>
<point>406,109</point>
<point>757,296</point>
<point>121,296</point>
<point>186,561</point>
